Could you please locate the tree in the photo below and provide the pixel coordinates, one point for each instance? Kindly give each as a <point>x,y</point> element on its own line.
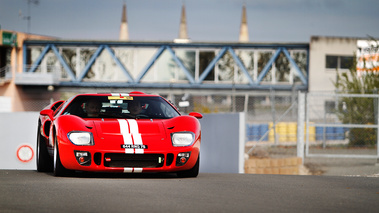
<point>359,110</point>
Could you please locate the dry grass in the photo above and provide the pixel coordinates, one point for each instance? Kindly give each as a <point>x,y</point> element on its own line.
<point>314,168</point>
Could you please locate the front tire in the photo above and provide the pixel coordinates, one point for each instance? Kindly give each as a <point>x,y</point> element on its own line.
<point>194,172</point>
<point>44,161</point>
<point>59,169</point>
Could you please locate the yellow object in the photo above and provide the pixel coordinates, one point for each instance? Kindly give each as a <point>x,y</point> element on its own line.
<point>281,130</point>
<point>120,98</point>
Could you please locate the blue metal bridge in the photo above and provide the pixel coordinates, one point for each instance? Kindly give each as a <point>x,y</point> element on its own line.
<point>165,65</point>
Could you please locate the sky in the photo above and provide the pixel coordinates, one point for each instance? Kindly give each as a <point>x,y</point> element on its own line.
<point>207,20</point>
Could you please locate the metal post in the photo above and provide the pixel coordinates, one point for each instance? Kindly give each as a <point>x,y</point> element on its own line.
<point>246,103</point>
<point>272,97</point>
<point>307,122</point>
<point>293,98</point>
<point>300,125</point>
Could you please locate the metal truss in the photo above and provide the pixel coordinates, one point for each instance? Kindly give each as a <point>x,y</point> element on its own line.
<point>198,82</point>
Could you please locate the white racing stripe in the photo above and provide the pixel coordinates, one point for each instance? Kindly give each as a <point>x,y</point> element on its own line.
<point>124,130</point>
<point>120,94</point>
<point>134,131</point>
<point>137,170</point>
<point>128,170</point>
<point>130,133</point>
<point>132,170</point>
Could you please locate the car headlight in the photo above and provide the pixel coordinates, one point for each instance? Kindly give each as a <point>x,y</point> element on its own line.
<point>182,138</point>
<point>81,138</point>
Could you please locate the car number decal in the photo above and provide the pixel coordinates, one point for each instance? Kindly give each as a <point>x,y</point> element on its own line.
<point>130,146</point>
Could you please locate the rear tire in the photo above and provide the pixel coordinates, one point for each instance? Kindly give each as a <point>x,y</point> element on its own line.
<point>191,172</point>
<point>44,161</point>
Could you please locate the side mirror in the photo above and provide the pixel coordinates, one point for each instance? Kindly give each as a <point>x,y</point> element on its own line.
<point>196,115</point>
<point>48,112</point>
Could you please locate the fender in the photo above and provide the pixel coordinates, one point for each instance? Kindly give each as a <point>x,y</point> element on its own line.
<point>183,123</point>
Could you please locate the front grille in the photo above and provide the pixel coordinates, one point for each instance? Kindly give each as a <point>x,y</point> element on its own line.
<point>97,158</point>
<point>133,160</point>
<point>169,159</point>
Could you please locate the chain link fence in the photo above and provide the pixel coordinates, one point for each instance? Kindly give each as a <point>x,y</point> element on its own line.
<point>35,105</point>
<point>271,116</point>
<point>340,124</point>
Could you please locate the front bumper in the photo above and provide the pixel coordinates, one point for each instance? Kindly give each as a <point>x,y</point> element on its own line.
<point>84,158</point>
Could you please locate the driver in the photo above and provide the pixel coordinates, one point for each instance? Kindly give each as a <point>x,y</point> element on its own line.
<point>134,107</point>
<point>93,108</point>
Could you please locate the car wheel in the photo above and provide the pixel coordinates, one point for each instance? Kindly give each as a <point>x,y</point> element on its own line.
<point>59,169</point>
<point>44,162</point>
<point>191,172</point>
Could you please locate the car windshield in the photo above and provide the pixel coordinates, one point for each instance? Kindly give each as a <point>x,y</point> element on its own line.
<point>120,107</point>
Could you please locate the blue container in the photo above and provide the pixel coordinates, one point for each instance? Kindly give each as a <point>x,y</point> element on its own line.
<point>340,133</point>
<point>330,133</point>
<point>252,132</point>
<point>263,130</point>
<point>319,133</point>
<point>255,132</point>
<point>249,132</point>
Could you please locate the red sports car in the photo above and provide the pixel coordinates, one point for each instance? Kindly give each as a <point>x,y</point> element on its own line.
<point>129,133</point>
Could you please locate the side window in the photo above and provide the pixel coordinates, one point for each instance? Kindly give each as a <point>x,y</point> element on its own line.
<point>167,111</point>
<point>335,62</point>
<point>331,62</point>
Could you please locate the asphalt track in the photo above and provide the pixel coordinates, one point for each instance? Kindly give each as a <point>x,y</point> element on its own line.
<point>30,191</point>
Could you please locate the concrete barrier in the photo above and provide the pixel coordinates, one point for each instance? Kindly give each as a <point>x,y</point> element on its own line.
<point>282,166</point>
<point>18,133</point>
<point>223,143</point>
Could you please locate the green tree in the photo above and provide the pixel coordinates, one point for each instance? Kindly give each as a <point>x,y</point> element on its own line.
<point>358,110</point>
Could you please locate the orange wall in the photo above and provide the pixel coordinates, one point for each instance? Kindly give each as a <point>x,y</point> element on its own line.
<point>9,89</point>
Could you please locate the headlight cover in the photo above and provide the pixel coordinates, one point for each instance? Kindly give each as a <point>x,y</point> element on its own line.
<point>81,138</point>
<point>182,138</point>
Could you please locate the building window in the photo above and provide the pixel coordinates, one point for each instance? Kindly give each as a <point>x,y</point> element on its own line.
<point>339,62</point>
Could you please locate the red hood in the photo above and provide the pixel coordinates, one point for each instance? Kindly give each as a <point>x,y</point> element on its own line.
<point>147,128</point>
